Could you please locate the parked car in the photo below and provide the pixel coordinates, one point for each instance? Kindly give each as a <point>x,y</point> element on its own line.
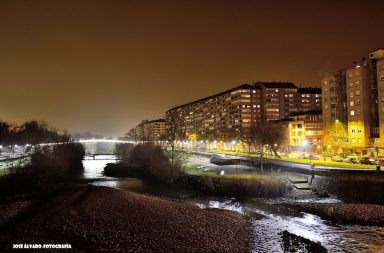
<point>351,159</point>
<point>314,157</point>
<point>367,160</point>
<point>304,156</point>
<point>336,158</point>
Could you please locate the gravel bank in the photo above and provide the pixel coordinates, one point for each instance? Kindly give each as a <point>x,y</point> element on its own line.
<point>106,219</point>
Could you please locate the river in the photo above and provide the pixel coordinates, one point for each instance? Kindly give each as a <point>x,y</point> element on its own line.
<point>275,219</point>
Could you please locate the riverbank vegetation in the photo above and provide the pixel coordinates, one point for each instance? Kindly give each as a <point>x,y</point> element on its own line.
<point>49,168</point>
<point>156,163</point>
<point>252,185</point>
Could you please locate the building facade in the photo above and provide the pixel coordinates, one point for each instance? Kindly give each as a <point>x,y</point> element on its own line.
<point>352,107</point>
<point>380,85</point>
<point>304,131</point>
<point>150,130</point>
<point>242,106</point>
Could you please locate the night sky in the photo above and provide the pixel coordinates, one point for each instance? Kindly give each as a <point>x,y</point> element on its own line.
<point>103,66</point>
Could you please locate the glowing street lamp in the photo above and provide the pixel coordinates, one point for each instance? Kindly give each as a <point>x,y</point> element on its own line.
<point>305,144</point>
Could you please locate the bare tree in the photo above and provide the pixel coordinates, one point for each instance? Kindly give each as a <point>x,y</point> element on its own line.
<point>266,136</point>
<point>246,136</point>
<point>173,134</point>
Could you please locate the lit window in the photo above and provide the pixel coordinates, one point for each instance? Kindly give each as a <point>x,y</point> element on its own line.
<point>351,103</point>
<point>357,93</point>
<point>352,113</point>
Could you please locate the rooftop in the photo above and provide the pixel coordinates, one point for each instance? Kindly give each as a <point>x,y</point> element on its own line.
<point>246,86</point>
<point>309,90</point>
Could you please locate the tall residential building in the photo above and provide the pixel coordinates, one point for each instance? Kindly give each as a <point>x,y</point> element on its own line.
<point>309,99</point>
<point>242,106</point>
<point>359,84</point>
<point>334,108</point>
<point>354,93</point>
<point>380,86</point>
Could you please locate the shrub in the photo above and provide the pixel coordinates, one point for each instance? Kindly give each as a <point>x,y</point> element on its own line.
<point>253,186</point>
<point>154,161</point>
<point>49,168</point>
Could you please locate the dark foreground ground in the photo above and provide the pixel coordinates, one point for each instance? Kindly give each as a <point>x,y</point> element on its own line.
<point>105,219</point>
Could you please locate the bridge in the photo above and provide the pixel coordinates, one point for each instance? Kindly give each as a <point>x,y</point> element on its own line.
<point>103,156</point>
<point>105,141</point>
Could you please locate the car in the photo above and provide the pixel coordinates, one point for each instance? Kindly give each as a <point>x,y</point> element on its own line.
<point>314,157</point>
<point>351,159</point>
<point>304,156</point>
<point>367,160</point>
<point>336,158</point>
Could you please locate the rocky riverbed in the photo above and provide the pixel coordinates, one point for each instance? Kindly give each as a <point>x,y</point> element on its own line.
<point>104,219</point>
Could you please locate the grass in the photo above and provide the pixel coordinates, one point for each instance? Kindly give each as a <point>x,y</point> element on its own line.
<point>248,184</point>
<point>4,172</point>
<point>329,163</point>
<point>191,169</point>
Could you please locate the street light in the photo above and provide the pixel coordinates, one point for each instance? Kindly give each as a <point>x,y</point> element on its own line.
<point>305,144</point>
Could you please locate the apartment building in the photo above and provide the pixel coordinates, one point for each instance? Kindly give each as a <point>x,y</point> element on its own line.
<point>334,109</point>
<point>359,84</point>
<point>240,107</point>
<point>131,135</point>
<point>150,130</point>
<point>309,99</point>
<point>379,55</point>
<point>139,131</point>
<point>305,131</point>
<point>351,107</point>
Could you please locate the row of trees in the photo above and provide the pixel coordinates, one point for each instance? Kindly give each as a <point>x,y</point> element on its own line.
<point>263,137</point>
<point>31,132</point>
